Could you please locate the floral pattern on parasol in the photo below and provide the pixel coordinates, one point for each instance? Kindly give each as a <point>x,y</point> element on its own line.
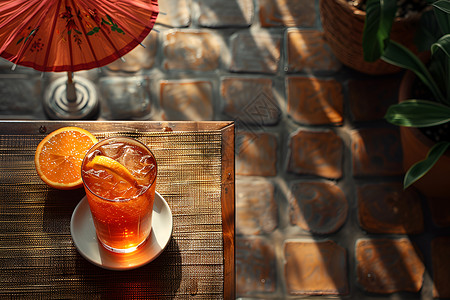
<point>72,35</point>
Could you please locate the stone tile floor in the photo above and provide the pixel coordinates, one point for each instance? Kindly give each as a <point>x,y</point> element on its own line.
<point>320,211</point>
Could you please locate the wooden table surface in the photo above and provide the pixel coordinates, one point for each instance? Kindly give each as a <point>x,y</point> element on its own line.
<point>195,176</point>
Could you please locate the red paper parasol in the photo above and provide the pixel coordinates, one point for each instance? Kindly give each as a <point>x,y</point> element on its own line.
<point>72,35</point>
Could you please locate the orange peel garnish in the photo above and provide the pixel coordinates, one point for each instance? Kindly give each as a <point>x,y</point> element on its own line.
<point>111,166</point>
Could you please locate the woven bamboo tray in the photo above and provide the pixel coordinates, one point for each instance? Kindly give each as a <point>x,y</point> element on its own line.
<point>38,258</point>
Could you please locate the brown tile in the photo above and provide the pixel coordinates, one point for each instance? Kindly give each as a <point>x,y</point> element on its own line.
<point>255,51</point>
<point>376,151</point>
<point>387,208</point>
<point>314,101</point>
<point>315,268</point>
<point>256,154</point>
<point>289,13</point>
<point>139,58</point>
<point>370,97</point>
<point>307,51</point>
<point>440,250</point>
<point>174,13</point>
<point>219,13</point>
<point>389,265</point>
<point>256,209</point>
<point>316,153</point>
<point>126,98</point>
<point>255,266</point>
<point>20,96</point>
<point>250,100</point>
<point>193,50</point>
<point>318,207</point>
<point>186,100</point>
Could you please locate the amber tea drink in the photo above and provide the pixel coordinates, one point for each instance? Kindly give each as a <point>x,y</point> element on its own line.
<point>119,176</point>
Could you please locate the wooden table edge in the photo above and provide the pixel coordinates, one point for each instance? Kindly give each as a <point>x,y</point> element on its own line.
<point>47,126</point>
<point>228,210</point>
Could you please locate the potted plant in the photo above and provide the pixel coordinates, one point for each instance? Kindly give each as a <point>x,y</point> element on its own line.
<point>429,108</point>
<point>380,17</point>
<point>343,26</point>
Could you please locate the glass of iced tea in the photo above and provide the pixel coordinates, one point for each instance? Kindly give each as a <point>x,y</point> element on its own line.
<point>119,176</point>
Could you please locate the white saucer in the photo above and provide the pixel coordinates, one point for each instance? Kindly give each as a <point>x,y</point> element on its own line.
<point>85,239</point>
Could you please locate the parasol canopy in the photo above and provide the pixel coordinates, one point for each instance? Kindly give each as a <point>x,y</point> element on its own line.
<point>72,35</point>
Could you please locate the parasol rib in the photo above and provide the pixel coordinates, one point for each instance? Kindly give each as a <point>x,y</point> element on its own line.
<point>130,16</point>
<point>17,31</point>
<point>91,49</point>
<point>116,51</point>
<point>52,32</point>
<point>136,40</point>
<point>70,49</point>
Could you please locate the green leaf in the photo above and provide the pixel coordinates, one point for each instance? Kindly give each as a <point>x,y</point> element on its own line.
<point>418,113</point>
<point>77,31</point>
<point>438,67</point>
<point>105,22</point>
<point>442,12</point>
<point>401,56</point>
<point>428,31</point>
<point>419,169</point>
<point>21,39</point>
<point>96,29</point>
<point>30,34</point>
<point>380,15</point>
<point>443,43</point>
<point>442,5</point>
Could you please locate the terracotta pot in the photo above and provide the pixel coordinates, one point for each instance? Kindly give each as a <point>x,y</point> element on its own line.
<point>435,183</point>
<point>343,26</point>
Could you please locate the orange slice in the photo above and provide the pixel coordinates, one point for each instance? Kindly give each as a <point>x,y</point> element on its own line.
<point>111,166</point>
<point>59,156</point>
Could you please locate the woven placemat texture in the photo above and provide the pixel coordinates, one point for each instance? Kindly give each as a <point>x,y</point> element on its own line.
<point>37,255</point>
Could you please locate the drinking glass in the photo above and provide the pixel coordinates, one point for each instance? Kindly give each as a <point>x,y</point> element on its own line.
<point>121,206</point>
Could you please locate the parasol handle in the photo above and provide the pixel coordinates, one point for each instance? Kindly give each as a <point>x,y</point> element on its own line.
<point>71,92</point>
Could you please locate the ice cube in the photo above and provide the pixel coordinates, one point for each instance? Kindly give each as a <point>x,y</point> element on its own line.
<point>147,166</point>
<point>93,154</point>
<point>147,171</point>
<point>130,159</point>
<point>147,160</point>
<point>112,150</point>
<point>122,190</point>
